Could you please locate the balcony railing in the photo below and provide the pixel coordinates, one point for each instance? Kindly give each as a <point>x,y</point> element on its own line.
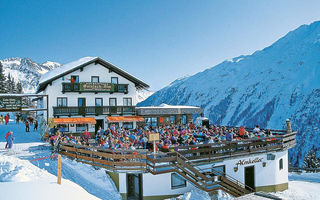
<point>94,87</point>
<point>94,110</point>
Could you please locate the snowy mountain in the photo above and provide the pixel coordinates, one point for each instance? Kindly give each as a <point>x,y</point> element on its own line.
<point>279,82</point>
<point>27,71</point>
<point>142,95</point>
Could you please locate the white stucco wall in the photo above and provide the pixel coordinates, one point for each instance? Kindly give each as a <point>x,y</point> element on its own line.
<point>55,90</point>
<point>156,185</point>
<point>264,176</point>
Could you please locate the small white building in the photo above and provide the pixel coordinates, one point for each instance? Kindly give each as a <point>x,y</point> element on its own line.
<point>90,87</point>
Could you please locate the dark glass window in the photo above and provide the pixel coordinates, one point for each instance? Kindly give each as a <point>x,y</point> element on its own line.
<point>281,164</point>
<point>95,79</point>
<point>99,102</point>
<point>172,119</point>
<point>112,102</point>
<point>184,119</point>
<point>177,181</point>
<point>62,102</point>
<point>81,127</point>
<point>81,102</point>
<point>127,101</point>
<point>128,125</point>
<point>75,79</point>
<point>114,80</point>
<point>65,127</point>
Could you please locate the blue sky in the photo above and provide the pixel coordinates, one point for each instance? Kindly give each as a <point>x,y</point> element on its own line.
<point>157,41</point>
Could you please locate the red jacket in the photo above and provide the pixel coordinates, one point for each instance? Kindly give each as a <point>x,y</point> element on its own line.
<point>241,131</point>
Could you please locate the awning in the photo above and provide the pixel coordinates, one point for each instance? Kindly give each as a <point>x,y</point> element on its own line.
<point>83,120</point>
<point>126,119</point>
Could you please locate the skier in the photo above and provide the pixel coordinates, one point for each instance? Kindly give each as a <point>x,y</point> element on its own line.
<point>27,127</point>
<point>9,138</point>
<point>6,119</point>
<point>35,128</point>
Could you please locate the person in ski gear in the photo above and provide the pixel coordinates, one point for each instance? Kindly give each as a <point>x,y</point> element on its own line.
<point>6,119</point>
<point>35,125</point>
<point>27,126</point>
<point>1,119</point>
<point>9,138</point>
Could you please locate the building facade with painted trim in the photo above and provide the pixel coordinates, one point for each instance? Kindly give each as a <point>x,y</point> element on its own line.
<point>90,87</point>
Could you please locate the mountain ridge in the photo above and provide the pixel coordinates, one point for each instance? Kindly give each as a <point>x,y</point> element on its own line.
<point>267,87</point>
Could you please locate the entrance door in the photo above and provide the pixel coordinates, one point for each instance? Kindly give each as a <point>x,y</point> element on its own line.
<point>82,106</point>
<point>134,187</point>
<point>99,123</point>
<point>249,176</point>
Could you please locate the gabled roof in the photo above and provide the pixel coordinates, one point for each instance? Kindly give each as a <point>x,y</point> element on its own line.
<point>81,63</point>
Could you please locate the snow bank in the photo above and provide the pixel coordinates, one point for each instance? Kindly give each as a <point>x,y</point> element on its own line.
<point>301,190</point>
<point>19,179</point>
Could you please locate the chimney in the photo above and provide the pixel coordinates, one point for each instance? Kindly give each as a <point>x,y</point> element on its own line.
<point>289,130</point>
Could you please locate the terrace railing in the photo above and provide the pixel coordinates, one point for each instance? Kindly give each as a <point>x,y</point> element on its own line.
<point>93,110</point>
<point>183,160</point>
<point>94,87</point>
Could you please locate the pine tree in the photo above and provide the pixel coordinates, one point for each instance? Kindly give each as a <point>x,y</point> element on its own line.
<point>10,84</point>
<point>311,160</point>
<point>19,88</point>
<point>2,80</point>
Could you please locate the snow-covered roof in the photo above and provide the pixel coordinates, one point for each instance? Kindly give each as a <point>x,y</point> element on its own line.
<point>65,68</point>
<point>163,105</point>
<point>165,109</point>
<point>82,62</point>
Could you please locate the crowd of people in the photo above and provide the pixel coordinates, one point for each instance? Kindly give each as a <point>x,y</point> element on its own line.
<point>170,136</point>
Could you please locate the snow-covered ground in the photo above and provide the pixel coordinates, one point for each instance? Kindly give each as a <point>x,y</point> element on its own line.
<point>21,178</point>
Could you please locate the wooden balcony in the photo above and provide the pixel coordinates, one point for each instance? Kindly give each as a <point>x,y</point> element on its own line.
<point>94,87</point>
<point>93,110</point>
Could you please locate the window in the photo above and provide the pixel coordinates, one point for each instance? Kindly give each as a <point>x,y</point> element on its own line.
<point>114,80</point>
<point>95,79</point>
<point>99,102</point>
<point>116,124</point>
<point>219,170</point>
<point>74,79</point>
<point>63,127</point>
<point>128,125</point>
<point>81,102</point>
<point>177,181</point>
<point>81,127</point>
<point>122,88</point>
<point>184,119</point>
<point>281,164</point>
<point>154,121</point>
<point>127,101</point>
<point>62,102</point>
<point>112,101</point>
<point>172,119</point>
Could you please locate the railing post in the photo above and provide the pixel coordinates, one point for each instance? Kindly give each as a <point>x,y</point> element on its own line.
<point>289,130</point>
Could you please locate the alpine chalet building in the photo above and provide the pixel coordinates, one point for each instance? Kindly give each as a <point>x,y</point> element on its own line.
<point>90,93</point>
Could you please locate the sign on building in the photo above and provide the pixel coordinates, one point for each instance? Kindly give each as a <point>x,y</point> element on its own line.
<point>88,86</point>
<point>10,103</point>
